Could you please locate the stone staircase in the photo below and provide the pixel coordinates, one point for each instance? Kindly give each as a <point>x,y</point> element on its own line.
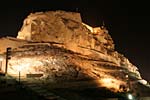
<point>41,91</point>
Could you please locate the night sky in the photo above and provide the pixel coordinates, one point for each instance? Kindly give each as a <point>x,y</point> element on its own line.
<point>128,22</point>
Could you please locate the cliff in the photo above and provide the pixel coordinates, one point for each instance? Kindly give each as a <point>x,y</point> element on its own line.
<point>60,46</point>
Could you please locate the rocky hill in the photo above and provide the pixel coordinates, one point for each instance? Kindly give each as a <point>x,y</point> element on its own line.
<point>60,46</point>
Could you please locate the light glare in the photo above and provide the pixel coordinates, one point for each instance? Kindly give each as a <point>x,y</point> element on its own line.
<point>130,97</point>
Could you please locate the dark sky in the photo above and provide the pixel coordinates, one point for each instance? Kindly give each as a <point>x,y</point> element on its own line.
<point>127,22</point>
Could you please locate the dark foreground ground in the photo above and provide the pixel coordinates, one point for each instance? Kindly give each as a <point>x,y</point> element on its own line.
<point>12,90</point>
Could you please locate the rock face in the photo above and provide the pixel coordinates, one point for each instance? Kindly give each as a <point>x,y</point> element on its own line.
<point>66,28</point>
<point>60,46</point>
